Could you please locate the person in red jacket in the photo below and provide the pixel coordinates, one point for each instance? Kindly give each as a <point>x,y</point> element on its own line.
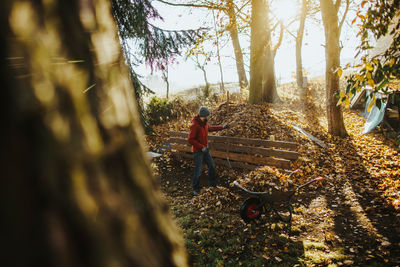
<point>198,138</point>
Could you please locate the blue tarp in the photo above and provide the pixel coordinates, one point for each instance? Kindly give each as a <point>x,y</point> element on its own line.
<point>374,117</point>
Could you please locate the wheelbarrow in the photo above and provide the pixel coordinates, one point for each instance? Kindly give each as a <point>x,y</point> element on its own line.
<point>278,202</point>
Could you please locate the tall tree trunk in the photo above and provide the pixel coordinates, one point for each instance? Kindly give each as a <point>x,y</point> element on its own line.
<point>299,45</point>
<point>205,76</point>
<point>167,88</point>
<point>236,45</point>
<point>165,78</point>
<point>332,53</point>
<point>257,44</point>
<point>76,189</point>
<point>270,94</point>
<point>221,73</point>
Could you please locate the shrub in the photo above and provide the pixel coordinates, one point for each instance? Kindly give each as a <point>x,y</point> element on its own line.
<point>159,110</point>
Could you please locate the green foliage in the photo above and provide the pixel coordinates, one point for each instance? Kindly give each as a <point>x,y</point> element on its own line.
<point>376,71</point>
<point>159,110</point>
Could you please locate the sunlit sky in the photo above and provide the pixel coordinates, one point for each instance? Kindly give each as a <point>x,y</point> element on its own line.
<point>185,75</point>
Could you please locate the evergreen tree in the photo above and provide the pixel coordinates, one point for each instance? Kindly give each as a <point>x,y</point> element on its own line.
<point>144,42</point>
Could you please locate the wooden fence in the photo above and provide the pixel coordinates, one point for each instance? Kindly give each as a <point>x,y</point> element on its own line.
<point>245,153</point>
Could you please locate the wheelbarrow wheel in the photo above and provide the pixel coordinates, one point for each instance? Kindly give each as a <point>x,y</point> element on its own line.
<point>284,212</point>
<point>250,209</point>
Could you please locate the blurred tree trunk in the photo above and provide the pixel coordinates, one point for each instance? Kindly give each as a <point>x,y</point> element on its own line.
<point>233,31</point>
<point>299,46</point>
<point>332,27</point>
<point>76,189</point>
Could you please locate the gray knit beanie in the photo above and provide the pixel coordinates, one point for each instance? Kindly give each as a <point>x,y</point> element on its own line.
<point>204,112</point>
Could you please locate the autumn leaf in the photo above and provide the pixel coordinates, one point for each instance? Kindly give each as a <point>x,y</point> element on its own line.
<point>391,63</point>
<point>372,103</point>
<point>371,83</point>
<point>363,3</point>
<point>347,103</point>
<point>369,67</point>
<point>340,72</point>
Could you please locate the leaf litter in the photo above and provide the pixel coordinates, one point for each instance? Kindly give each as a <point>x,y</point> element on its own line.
<point>369,164</point>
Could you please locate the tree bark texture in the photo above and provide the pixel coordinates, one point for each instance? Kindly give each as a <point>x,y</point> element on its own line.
<point>232,28</point>
<point>203,69</point>
<point>76,188</point>
<point>221,72</point>
<point>299,46</point>
<point>270,94</point>
<point>167,82</point>
<point>262,74</point>
<point>257,44</point>
<point>332,53</point>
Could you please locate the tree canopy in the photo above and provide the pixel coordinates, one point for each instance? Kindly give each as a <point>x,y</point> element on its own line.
<point>144,42</point>
<point>377,70</point>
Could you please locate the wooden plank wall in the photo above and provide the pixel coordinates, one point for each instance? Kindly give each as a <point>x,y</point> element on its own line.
<point>245,153</point>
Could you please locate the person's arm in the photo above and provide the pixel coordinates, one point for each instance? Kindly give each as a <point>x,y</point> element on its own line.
<point>192,137</point>
<point>215,128</point>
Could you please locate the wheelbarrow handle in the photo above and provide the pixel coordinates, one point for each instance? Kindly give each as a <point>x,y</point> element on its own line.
<point>294,172</point>
<point>310,182</point>
<point>248,191</point>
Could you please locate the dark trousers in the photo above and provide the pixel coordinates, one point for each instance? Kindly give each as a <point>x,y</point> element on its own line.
<point>199,158</point>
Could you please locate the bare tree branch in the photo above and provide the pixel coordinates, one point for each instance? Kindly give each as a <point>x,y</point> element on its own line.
<point>245,4</point>
<point>344,16</point>
<point>278,44</point>
<point>193,5</point>
<point>289,32</point>
<point>337,5</point>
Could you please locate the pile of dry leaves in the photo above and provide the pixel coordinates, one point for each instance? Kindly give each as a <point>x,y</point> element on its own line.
<point>266,178</point>
<point>370,160</point>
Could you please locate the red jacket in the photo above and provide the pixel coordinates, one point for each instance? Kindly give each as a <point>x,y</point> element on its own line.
<point>198,135</point>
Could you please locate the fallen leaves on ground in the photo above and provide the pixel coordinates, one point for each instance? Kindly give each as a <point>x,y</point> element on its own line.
<point>349,216</point>
<point>215,198</point>
<point>369,159</point>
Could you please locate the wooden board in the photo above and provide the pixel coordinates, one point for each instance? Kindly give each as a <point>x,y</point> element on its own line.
<point>284,154</point>
<point>215,145</point>
<point>217,161</point>
<point>179,141</point>
<point>224,162</point>
<point>281,163</point>
<point>235,164</point>
<point>243,141</point>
